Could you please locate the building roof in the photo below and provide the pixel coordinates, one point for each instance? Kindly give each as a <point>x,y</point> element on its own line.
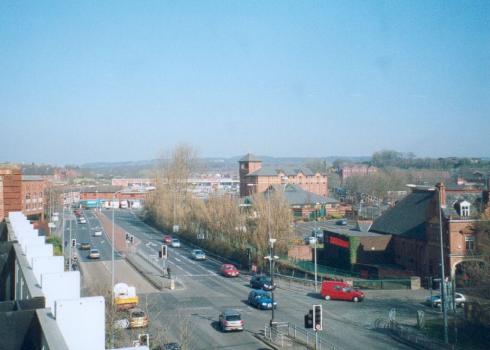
<point>32,178</point>
<point>249,157</point>
<point>100,189</point>
<point>475,199</point>
<point>408,217</point>
<point>286,170</point>
<point>295,195</point>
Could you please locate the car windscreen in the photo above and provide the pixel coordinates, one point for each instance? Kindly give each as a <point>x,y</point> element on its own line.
<point>262,296</point>
<point>138,314</point>
<point>233,317</point>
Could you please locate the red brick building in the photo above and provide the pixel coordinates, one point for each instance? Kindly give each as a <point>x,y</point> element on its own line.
<point>10,190</point>
<point>414,226</point>
<point>356,170</point>
<point>33,196</point>
<point>254,178</point>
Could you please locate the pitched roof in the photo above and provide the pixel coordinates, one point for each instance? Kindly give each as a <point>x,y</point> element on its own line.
<point>286,170</point>
<point>249,157</point>
<point>407,218</point>
<point>295,195</point>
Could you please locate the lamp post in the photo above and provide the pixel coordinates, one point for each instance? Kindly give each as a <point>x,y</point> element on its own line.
<point>316,266</point>
<point>443,275</point>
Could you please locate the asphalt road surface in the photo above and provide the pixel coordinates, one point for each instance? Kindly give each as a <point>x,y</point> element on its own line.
<point>190,315</point>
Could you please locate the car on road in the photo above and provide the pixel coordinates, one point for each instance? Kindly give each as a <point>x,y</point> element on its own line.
<point>261,299</point>
<point>169,346</point>
<point>175,243</point>
<point>137,318</point>
<point>342,222</point>
<point>337,290</point>
<point>94,254</point>
<point>261,282</point>
<point>85,246</point>
<point>229,270</point>
<point>311,240</point>
<point>435,300</point>
<point>97,233</point>
<point>167,239</point>
<point>230,320</point>
<point>198,254</point>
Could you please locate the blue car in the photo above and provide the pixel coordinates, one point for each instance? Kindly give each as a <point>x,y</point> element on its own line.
<point>261,299</point>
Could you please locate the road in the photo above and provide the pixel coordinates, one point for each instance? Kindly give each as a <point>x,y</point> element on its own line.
<point>190,315</point>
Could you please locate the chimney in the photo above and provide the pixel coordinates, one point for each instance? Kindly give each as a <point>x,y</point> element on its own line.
<point>442,193</point>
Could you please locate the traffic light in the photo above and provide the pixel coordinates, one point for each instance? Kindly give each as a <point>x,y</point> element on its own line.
<point>162,253</point>
<point>127,236</point>
<point>131,239</point>
<point>73,242</point>
<point>144,339</point>
<point>317,317</point>
<point>309,319</point>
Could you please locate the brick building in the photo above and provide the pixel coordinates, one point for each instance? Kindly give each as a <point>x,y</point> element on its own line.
<point>33,196</point>
<point>255,178</point>
<point>356,170</point>
<point>10,190</point>
<point>414,227</point>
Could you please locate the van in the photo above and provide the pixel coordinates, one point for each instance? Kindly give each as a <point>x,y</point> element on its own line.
<point>337,290</point>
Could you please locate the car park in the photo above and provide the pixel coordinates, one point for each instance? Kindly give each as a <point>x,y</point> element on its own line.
<point>98,233</point>
<point>261,282</point>
<point>175,243</point>
<point>85,246</point>
<point>94,254</point>
<point>229,270</point>
<point>435,300</point>
<point>337,290</point>
<point>261,299</point>
<point>230,320</point>
<point>198,254</point>
<point>137,318</point>
<point>167,239</point>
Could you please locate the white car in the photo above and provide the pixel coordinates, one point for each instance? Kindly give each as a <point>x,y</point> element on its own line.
<point>198,254</point>
<point>94,254</point>
<point>435,300</point>
<point>175,243</point>
<point>311,240</point>
<point>97,233</point>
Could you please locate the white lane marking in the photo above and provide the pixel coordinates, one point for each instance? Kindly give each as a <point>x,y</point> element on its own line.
<point>178,259</point>
<point>205,275</point>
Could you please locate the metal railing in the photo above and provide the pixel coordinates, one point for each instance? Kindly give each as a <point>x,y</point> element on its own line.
<point>285,334</point>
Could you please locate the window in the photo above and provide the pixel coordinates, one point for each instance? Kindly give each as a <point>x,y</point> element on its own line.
<point>465,210</point>
<point>470,242</point>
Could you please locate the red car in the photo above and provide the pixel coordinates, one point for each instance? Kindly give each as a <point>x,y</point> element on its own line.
<point>229,270</point>
<point>167,239</point>
<point>337,290</point>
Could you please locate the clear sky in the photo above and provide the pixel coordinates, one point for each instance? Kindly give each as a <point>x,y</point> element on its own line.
<point>84,81</point>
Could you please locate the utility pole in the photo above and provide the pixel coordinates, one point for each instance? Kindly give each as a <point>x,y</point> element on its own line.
<point>443,275</point>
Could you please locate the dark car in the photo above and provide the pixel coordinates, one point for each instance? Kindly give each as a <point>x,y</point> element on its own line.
<point>341,222</point>
<point>261,299</point>
<point>85,246</point>
<point>261,282</point>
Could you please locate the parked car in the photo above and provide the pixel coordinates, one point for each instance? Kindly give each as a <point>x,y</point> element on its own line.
<point>230,320</point>
<point>310,240</point>
<point>175,243</point>
<point>337,290</point>
<point>137,318</point>
<point>198,254</point>
<point>435,300</point>
<point>98,233</point>
<point>167,239</point>
<point>229,270</point>
<point>261,299</point>
<point>85,246</point>
<point>261,282</point>
<point>94,254</point>
<point>169,346</point>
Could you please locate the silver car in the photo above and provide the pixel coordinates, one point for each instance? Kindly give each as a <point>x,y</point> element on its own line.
<point>198,254</point>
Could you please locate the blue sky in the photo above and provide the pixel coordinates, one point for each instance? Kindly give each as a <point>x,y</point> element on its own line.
<point>85,81</point>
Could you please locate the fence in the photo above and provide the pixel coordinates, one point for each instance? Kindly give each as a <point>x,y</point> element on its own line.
<point>285,334</point>
<point>309,267</point>
<point>402,283</point>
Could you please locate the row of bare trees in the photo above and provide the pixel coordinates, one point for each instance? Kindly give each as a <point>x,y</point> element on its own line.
<point>222,223</point>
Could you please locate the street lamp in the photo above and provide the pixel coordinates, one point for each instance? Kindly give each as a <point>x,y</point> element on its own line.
<point>271,257</point>
<point>443,275</point>
<point>316,231</point>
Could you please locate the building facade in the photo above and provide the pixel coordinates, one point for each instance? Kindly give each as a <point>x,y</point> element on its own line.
<point>255,178</point>
<point>33,196</point>
<point>10,190</point>
<point>356,170</point>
